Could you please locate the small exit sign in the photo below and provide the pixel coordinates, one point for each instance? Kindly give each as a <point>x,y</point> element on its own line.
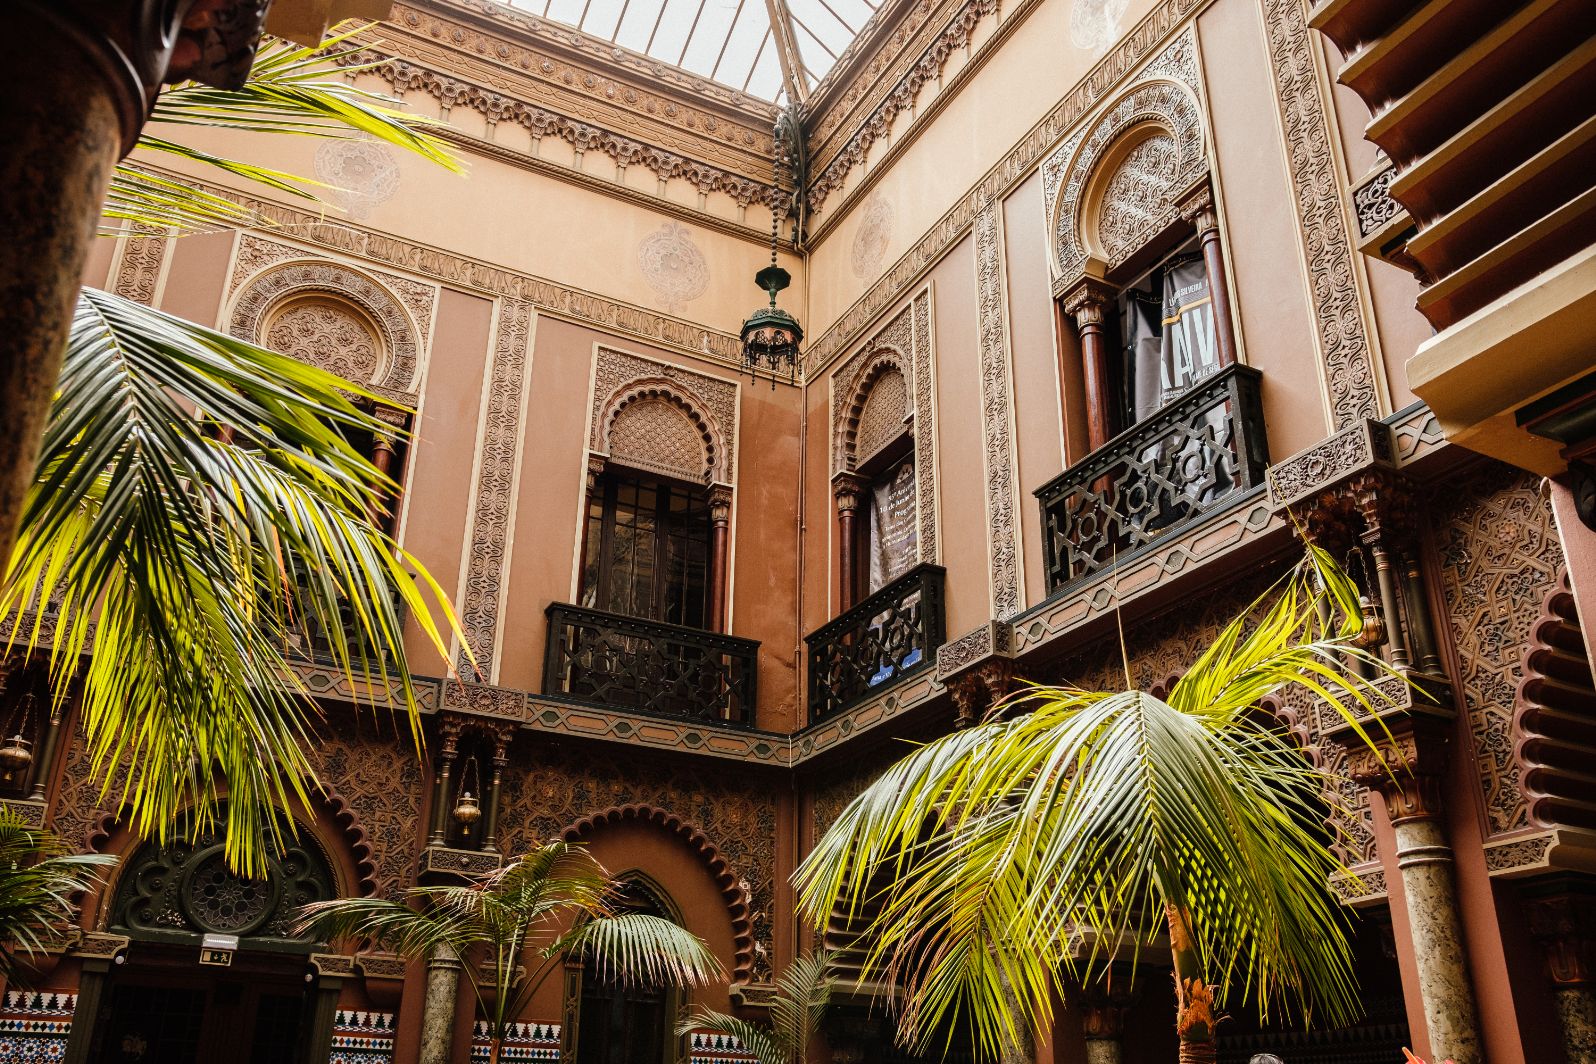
<point>218,950</point>
<point>219,957</point>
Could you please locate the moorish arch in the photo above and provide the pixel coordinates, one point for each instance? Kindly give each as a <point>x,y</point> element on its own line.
<point>332,316</point>
<point>876,410</point>
<point>662,426</point>
<point>1123,179</point>
<point>730,885</point>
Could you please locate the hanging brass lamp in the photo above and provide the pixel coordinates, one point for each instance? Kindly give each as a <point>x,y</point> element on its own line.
<point>17,753</point>
<point>467,810</point>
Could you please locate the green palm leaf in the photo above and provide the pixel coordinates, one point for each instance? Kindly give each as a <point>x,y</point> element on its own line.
<point>999,857</point>
<point>802,994</point>
<point>291,90</point>
<point>37,884</point>
<point>173,566</point>
<point>554,902</point>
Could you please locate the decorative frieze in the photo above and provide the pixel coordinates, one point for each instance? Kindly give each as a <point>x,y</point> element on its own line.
<point>139,265</point>
<point>997,418</point>
<point>486,570</point>
<point>1343,334</point>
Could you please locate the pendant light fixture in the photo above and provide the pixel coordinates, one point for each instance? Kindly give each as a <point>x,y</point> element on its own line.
<point>771,336</point>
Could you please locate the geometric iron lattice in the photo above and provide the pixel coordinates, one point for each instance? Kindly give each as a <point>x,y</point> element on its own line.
<point>892,634</point>
<point>185,888</point>
<point>1156,477</point>
<point>619,662</point>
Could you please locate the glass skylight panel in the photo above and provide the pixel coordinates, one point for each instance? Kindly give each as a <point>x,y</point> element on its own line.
<point>727,41</point>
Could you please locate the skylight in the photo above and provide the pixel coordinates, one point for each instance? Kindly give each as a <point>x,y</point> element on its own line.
<point>738,43</point>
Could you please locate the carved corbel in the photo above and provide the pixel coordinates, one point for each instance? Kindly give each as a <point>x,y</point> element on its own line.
<point>596,464</point>
<point>1562,917</point>
<point>1406,764</point>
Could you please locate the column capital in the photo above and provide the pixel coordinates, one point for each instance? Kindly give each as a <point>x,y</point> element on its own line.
<point>1197,207</point>
<point>1088,300</point>
<point>720,500</point>
<point>847,488</point>
<point>1405,767</point>
<point>1562,918</point>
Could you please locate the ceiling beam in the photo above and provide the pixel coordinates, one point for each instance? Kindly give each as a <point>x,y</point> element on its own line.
<point>792,64</point>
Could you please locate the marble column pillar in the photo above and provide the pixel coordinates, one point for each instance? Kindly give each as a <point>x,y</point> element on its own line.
<point>438,1006</point>
<point>1562,917</point>
<point>1407,773</point>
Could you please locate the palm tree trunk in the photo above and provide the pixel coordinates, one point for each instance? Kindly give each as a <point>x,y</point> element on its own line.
<point>494,1046</point>
<point>1194,998</point>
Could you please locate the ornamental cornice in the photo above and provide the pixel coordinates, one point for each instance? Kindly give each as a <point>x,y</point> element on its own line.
<point>666,151</point>
<point>502,30</point>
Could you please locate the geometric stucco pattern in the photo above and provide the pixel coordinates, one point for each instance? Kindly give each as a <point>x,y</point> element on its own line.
<point>1343,335</point>
<point>1138,199</point>
<point>663,417</point>
<point>1499,558</point>
<point>997,416</point>
<point>484,569</point>
<point>138,267</point>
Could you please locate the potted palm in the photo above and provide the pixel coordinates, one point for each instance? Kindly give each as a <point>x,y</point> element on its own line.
<point>1072,825</point>
<point>515,926</point>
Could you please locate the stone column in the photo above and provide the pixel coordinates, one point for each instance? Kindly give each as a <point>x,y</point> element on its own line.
<point>438,1006</point>
<point>848,491</point>
<point>1562,917</point>
<point>1408,772</point>
<point>383,455</point>
<point>1103,1021</point>
<point>1087,304</point>
<point>1375,500</point>
<point>1198,209</point>
<point>501,758</point>
<point>440,801</point>
<point>720,498</point>
<point>78,85</point>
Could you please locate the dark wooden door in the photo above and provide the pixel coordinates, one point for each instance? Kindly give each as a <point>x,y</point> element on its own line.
<point>232,1017</point>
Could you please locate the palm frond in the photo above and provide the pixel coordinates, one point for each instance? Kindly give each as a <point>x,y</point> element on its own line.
<point>639,948</point>
<point>802,993</point>
<point>173,566</point>
<point>37,884</point>
<point>291,90</point>
<point>765,1046</point>
<point>986,853</point>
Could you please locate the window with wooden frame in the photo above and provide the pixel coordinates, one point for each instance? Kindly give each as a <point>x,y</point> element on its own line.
<point>646,548</point>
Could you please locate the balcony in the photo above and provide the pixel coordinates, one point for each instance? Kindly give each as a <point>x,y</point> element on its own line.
<point>618,662</point>
<point>308,636</point>
<point>892,634</point>
<point>1156,478</point>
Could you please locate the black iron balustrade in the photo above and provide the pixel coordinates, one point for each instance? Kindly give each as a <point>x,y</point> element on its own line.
<point>892,634</point>
<point>1156,477</point>
<point>308,635</point>
<point>619,662</point>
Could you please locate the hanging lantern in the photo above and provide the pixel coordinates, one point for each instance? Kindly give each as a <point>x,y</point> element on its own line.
<point>467,811</point>
<point>1373,632</point>
<point>15,755</point>
<point>771,336</point>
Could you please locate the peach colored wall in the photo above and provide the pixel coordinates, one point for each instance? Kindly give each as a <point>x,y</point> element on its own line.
<point>197,277</point>
<point>1033,347</point>
<point>961,475</point>
<point>432,519</point>
<point>819,548</point>
<point>1266,258</point>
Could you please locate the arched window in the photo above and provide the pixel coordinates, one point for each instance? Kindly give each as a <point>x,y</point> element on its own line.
<point>618,1023</point>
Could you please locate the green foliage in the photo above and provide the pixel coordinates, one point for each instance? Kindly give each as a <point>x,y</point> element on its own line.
<point>37,883</point>
<point>173,564</point>
<point>1055,833</point>
<point>802,994</point>
<point>291,90</point>
<point>554,902</point>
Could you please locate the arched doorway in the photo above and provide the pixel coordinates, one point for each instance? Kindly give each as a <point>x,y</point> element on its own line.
<point>618,1023</point>
<point>164,1005</point>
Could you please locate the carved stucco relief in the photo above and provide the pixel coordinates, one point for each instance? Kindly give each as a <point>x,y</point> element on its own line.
<point>1094,24</point>
<point>485,569</point>
<point>138,267</point>
<point>997,416</point>
<point>673,407</point>
<point>874,235</point>
<point>902,344</point>
<point>1160,115</point>
<point>362,174</point>
<point>1343,334</point>
<point>673,265</point>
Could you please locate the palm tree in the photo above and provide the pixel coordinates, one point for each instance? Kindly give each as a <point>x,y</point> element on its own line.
<point>167,563</point>
<point>37,885</point>
<point>1123,816</point>
<point>802,994</point>
<point>555,901</point>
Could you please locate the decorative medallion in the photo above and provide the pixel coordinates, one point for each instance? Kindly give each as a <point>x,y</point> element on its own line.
<point>673,265</point>
<point>362,173</point>
<point>875,233</point>
<point>1094,24</point>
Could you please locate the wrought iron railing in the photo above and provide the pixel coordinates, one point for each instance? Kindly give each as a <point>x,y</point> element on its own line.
<point>619,662</point>
<point>892,634</point>
<point>309,637</point>
<point>1155,478</point>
